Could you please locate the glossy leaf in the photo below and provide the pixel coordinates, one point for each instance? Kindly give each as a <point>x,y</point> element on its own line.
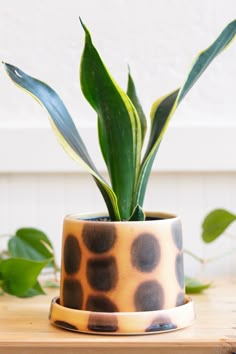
<point>131,92</point>
<point>215,224</point>
<point>194,286</point>
<point>102,141</point>
<point>159,115</point>
<point>31,244</point>
<point>19,276</point>
<point>160,110</point>
<point>119,125</point>
<point>164,107</point>
<point>34,291</point>
<point>138,214</point>
<point>64,129</point>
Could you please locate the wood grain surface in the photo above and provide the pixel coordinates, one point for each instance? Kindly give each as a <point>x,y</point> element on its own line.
<point>25,329</point>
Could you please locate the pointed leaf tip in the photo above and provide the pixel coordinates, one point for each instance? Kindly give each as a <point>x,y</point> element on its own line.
<point>8,66</point>
<point>116,112</point>
<point>64,129</point>
<point>85,28</point>
<point>82,24</point>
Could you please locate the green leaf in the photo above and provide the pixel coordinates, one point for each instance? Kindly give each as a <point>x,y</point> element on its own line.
<point>215,223</point>
<point>119,125</point>
<point>34,291</point>
<point>19,276</point>
<point>158,124</point>
<point>138,214</point>
<point>194,286</point>
<point>64,129</point>
<point>131,92</point>
<point>31,244</point>
<point>164,107</point>
<point>102,141</point>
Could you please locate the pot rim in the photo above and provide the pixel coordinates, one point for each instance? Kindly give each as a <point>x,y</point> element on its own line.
<point>89,217</point>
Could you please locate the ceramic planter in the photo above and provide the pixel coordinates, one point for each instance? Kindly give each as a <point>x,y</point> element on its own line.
<point>122,277</point>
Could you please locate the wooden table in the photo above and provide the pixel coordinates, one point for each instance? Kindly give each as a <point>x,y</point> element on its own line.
<point>24,329</point>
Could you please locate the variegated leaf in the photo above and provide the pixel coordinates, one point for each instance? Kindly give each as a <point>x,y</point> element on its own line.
<point>164,107</point>
<point>119,125</point>
<point>131,92</point>
<point>64,129</point>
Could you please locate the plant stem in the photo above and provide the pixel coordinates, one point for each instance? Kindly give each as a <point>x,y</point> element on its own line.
<point>209,260</point>
<point>197,258</point>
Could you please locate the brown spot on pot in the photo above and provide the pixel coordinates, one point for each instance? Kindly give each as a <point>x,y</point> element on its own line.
<point>145,252</point>
<point>100,323</point>
<point>179,269</point>
<point>161,324</point>
<point>149,296</point>
<point>65,325</point>
<point>176,230</point>
<point>99,238</point>
<point>102,273</point>
<point>100,304</point>
<point>72,255</point>
<point>180,300</point>
<point>72,294</point>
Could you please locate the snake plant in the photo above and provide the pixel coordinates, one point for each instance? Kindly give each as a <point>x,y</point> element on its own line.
<point>121,123</point>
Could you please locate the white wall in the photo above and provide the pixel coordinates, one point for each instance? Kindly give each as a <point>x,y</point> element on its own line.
<point>196,168</point>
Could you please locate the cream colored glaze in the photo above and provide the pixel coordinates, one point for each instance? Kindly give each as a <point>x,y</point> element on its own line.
<point>129,277</point>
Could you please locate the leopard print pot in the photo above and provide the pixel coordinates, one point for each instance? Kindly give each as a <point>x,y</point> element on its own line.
<point>122,277</point>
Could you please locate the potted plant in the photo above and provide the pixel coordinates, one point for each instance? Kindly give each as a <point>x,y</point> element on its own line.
<point>121,271</point>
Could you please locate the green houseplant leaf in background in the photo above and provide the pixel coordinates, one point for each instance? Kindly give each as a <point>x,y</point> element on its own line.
<point>215,224</point>
<point>19,276</point>
<point>29,252</point>
<point>195,286</point>
<point>30,244</point>
<point>121,123</point>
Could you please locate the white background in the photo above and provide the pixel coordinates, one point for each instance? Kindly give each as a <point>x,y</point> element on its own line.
<point>196,167</point>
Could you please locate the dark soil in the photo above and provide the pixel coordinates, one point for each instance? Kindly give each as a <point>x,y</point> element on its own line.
<point>107,218</point>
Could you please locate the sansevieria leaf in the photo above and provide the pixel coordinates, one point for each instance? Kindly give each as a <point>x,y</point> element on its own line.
<point>119,125</point>
<point>138,214</point>
<point>131,92</point>
<point>164,107</point>
<point>65,130</point>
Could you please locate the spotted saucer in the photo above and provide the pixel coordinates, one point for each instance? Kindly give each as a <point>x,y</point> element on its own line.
<point>122,323</point>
